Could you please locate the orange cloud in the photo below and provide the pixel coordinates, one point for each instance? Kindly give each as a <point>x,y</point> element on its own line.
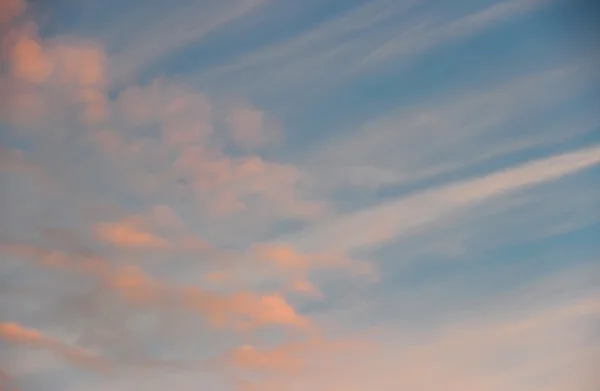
<point>280,360</point>
<point>135,285</point>
<point>296,266</point>
<point>11,9</point>
<point>81,64</point>
<point>244,310</point>
<point>29,62</point>
<point>48,79</point>
<point>538,351</point>
<point>57,259</point>
<point>17,334</point>
<point>292,360</point>
<point>241,311</point>
<point>157,229</point>
<point>305,287</point>
<point>129,234</point>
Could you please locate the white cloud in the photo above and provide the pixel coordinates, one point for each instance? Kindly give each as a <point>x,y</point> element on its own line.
<point>359,41</point>
<point>434,33</point>
<point>451,132</point>
<point>169,29</point>
<point>381,223</point>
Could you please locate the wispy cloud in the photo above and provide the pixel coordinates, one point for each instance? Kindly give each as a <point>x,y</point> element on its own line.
<point>381,223</point>
<point>433,34</point>
<point>362,40</point>
<point>452,131</point>
<point>15,333</point>
<point>168,29</point>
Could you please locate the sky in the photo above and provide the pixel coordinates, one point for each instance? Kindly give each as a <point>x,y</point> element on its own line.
<point>286,195</point>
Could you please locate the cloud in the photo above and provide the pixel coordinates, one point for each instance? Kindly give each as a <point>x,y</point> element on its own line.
<point>11,9</point>
<point>162,245</point>
<point>40,70</point>
<point>251,129</point>
<point>300,51</point>
<point>129,234</point>
<point>245,311</point>
<point>297,267</point>
<point>29,63</point>
<point>13,160</point>
<point>539,349</point>
<point>278,264</point>
<point>409,214</point>
<point>228,184</point>
<point>171,147</point>
<point>240,311</point>
<point>453,131</point>
<point>156,140</point>
<point>431,35</point>
<point>71,64</point>
<point>16,334</point>
<point>295,357</point>
<point>361,40</point>
<point>173,27</point>
<point>184,114</point>
<point>6,382</point>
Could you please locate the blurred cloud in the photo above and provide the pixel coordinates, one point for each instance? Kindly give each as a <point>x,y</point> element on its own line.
<point>10,9</point>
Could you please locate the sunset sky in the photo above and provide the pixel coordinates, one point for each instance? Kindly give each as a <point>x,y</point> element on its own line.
<point>299,195</point>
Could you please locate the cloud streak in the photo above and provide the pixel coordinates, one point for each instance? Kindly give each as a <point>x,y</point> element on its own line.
<point>17,334</point>
<point>174,28</point>
<point>351,45</point>
<point>381,223</point>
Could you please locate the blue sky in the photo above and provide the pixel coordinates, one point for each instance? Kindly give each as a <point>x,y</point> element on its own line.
<point>274,195</point>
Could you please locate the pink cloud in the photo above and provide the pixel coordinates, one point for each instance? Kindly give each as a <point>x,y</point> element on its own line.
<point>245,310</point>
<point>53,81</point>
<point>537,351</point>
<point>293,357</point>
<point>228,184</point>
<point>11,9</point>
<point>16,334</point>
<point>241,311</point>
<point>129,234</point>
<point>296,266</point>
<point>159,228</point>
<point>80,64</point>
<point>277,367</point>
<point>191,153</point>
<point>29,62</point>
<point>41,70</point>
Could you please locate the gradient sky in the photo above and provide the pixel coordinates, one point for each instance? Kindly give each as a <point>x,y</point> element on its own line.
<point>293,195</point>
